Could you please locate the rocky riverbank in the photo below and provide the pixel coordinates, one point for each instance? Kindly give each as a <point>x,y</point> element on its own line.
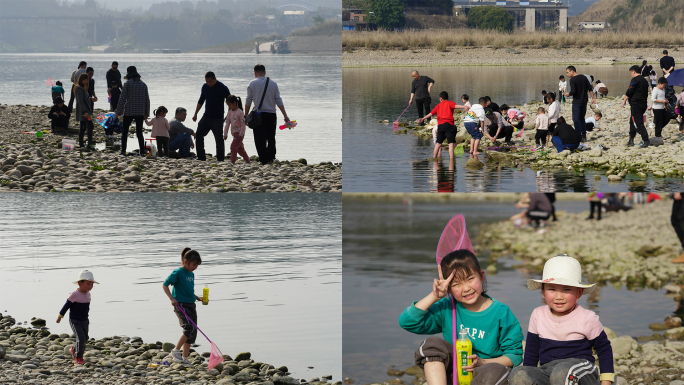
<point>488,56</point>
<point>30,354</point>
<point>614,158</point>
<point>34,164</point>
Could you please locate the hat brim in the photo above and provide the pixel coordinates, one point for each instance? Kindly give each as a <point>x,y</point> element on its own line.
<point>76,282</point>
<point>534,284</point>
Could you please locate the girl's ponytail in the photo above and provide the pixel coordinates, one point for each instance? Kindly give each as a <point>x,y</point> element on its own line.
<point>160,110</point>
<point>235,99</point>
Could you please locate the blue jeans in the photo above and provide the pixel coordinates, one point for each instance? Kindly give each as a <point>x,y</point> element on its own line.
<point>560,146</point>
<point>578,112</point>
<point>182,144</point>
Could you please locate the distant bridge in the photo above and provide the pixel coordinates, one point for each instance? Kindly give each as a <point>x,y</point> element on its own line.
<point>297,3</point>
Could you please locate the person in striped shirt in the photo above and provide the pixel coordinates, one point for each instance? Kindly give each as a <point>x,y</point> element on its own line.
<point>562,334</point>
<point>78,305</point>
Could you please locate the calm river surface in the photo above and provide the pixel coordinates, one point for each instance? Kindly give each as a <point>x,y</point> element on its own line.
<point>272,264</point>
<point>389,261</point>
<point>310,86</point>
<point>376,160</point>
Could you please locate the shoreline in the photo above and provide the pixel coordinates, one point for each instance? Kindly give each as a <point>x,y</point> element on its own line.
<point>614,159</point>
<point>488,56</point>
<point>30,164</point>
<point>30,353</point>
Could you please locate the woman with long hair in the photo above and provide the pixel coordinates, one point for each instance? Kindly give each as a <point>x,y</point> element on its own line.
<point>84,111</point>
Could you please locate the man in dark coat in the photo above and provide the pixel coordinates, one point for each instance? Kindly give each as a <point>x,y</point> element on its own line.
<point>637,94</point>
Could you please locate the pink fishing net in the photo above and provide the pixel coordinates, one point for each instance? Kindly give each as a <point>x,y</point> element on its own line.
<point>454,237</point>
<point>215,358</point>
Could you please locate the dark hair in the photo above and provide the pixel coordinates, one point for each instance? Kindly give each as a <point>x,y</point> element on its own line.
<point>643,63</point>
<point>561,120</point>
<point>115,63</point>
<point>542,109</point>
<point>259,68</point>
<point>543,92</point>
<point>561,77</point>
<point>444,95</point>
<point>464,264</point>
<point>592,77</point>
<point>665,51</point>
<point>571,68</point>
<point>90,69</point>
<point>465,97</point>
<point>160,110</point>
<point>652,72</point>
<point>58,83</point>
<point>190,255</point>
<point>551,95</point>
<point>600,115</point>
<point>662,80</point>
<point>234,99</point>
<point>80,78</point>
<point>209,75</point>
<point>504,107</point>
<point>180,110</point>
<point>81,64</point>
<point>487,98</point>
<point>635,68</point>
<point>598,81</point>
<point>482,100</point>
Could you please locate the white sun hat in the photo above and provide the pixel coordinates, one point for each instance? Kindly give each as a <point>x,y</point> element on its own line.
<point>86,276</point>
<point>562,270</point>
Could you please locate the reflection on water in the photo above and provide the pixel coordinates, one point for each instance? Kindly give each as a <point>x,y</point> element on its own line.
<point>310,87</point>
<point>389,261</point>
<point>272,263</point>
<point>378,160</point>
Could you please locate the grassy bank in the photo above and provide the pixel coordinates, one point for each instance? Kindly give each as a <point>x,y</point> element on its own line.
<point>442,39</point>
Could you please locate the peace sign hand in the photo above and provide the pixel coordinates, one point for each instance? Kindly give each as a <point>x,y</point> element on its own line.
<point>440,288</point>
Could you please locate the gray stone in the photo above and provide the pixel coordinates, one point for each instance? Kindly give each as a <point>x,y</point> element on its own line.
<point>38,322</point>
<point>243,356</point>
<point>25,170</point>
<point>622,346</point>
<point>132,177</point>
<point>15,173</point>
<point>595,152</point>
<point>16,358</point>
<point>168,346</point>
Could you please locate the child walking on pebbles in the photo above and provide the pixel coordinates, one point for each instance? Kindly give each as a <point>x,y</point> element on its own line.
<point>494,331</point>
<point>78,304</point>
<point>562,333</point>
<point>160,130</point>
<point>183,281</point>
<point>235,120</point>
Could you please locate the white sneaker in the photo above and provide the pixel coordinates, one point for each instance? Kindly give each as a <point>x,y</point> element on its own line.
<point>186,361</point>
<point>176,355</point>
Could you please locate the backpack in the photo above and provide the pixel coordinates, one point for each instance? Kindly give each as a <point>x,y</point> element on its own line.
<point>671,97</point>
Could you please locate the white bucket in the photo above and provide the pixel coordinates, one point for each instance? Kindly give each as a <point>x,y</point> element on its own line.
<point>68,144</point>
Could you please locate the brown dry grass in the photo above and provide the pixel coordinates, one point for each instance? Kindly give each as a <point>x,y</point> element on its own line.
<point>441,39</point>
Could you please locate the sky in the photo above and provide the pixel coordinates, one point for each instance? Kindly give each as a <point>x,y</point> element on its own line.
<point>123,4</point>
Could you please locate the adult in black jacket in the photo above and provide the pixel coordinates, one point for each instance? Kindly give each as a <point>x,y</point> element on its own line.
<point>667,63</point>
<point>420,91</point>
<point>113,75</point>
<point>637,94</point>
<point>59,115</point>
<point>564,136</point>
<point>579,87</point>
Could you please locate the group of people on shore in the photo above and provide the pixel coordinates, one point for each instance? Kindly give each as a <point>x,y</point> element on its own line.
<point>486,118</point>
<point>131,100</point>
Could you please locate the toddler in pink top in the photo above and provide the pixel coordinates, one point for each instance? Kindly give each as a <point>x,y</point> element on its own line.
<point>235,121</point>
<point>160,130</point>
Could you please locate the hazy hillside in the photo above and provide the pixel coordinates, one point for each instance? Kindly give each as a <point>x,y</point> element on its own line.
<point>637,15</point>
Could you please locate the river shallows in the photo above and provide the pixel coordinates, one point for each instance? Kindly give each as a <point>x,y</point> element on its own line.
<point>272,264</point>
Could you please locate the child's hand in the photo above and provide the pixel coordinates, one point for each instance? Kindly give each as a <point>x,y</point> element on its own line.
<point>476,361</point>
<point>225,136</point>
<point>197,297</point>
<point>440,288</point>
<point>59,319</point>
<point>174,302</point>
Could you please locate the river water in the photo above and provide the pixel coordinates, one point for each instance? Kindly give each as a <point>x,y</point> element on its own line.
<point>272,264</point>
<point>389,261</point>
<point>310,87</point>
<point>376,160</point>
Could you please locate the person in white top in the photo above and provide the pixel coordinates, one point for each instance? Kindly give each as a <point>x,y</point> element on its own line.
<point>592,122</point>
<point>474,124</point>
<point>553,112</point>
<point>541,124</point>
<point>599,88</point>
<point>562,86</point>
<point>658,106</point>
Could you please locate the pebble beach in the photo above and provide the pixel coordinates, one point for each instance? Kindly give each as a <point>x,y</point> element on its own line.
<point>30,354</point>
<point>488,56</point>
<point>31,164</point>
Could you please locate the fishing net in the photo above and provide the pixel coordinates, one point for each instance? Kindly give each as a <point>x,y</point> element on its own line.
<point>454,237</point>
<point>216,357</point>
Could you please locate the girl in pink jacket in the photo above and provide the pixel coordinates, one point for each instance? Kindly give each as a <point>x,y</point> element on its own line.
<point>235,120</point>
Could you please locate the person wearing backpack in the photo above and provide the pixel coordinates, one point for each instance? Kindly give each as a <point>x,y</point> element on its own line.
<point>74,79</point>
<point>266,96</point>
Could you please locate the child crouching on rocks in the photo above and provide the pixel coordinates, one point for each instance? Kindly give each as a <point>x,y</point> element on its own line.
<point>79,305</point>
<point>491,326</point>
<point>183,297</point>
<point>562,334</point>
